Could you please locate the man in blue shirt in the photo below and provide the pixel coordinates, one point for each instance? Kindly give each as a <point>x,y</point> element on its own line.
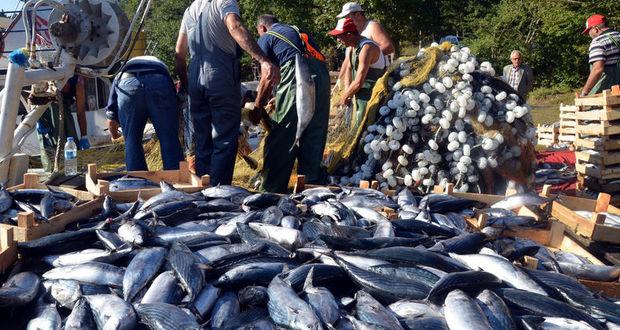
<point>144,90</point>
<point>281,43</point>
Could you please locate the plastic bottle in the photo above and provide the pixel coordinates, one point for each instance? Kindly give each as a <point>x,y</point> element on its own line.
<point>70,157</point>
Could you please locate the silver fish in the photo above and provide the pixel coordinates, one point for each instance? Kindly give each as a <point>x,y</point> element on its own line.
<point>90,272</point>
<point>516,201</point>
<point>322,301</point>
<point>305,96</point>
<point>165,317</point>
<point>19,290</point>
<point>47,319</point>
<point>112,312</point>
<point>288,310</point>
<point>371,311</point>
<point>165,288</point>
<point>502,269</point>
<point>142,268</point>
<point>81,317</point>
<point>462,313</point>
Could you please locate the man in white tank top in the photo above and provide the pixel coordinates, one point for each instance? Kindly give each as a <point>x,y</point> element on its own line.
<point>369,29</point>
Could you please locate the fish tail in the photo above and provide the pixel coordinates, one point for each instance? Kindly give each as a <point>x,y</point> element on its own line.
<point>296,144</point>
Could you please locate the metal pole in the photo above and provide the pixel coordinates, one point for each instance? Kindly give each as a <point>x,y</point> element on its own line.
<point>8,113</point>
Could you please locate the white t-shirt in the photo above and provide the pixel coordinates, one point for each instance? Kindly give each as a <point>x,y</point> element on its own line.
<point>216,11</point>
<point>366,33</point>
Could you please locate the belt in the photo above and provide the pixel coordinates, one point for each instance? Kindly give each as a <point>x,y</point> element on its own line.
<point>139,73</point>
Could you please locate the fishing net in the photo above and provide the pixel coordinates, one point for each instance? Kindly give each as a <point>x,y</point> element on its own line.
<point>435,118</point>
<point>342,142</point>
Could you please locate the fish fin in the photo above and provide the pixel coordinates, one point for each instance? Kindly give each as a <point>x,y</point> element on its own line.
<point>308,283</point>
<point>296,144</point>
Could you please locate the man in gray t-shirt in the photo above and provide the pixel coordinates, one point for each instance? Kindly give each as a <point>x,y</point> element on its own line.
<point>211,31</point>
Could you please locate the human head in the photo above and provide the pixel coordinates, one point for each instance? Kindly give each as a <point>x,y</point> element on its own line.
<point>265,22</point>
<point>516,58</point>
<point>346,32</point>
<point>595,25</point>
<point>352,10</point>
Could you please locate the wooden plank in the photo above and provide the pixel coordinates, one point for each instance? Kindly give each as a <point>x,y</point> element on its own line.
<point>602,99</point>
<point>571,219</point>
<point>8,249</point>
<point>182,179</point>
<point>602,114</point>
<point>25,232</point>
<point>597,172</point>
<point>610,289</point>
<point>603,144</point>
<point>300,184</point>
<point>598,129</point>
<point>599,158</point>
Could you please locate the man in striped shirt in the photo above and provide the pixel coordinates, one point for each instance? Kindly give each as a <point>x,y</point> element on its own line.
<point>604,56</point>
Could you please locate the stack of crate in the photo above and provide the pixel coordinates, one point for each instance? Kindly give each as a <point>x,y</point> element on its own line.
<point>568,124</point>
<point>547,134</point>
<point>598,142</point>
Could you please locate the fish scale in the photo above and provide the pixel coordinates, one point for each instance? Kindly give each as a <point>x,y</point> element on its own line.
<point>184,265</point>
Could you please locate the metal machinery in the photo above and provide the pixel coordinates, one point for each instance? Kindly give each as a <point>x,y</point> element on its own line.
<point>91,37</point>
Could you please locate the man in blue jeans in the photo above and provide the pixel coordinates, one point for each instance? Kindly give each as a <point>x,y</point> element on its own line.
<point>144,90</point>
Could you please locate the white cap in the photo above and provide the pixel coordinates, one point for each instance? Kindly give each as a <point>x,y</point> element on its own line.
<point>350,7</point>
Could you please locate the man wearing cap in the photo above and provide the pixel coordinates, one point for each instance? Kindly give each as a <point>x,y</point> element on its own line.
<point>282,43</point>
<point>367,28</point>
<point>604,56</point>
<point>519,75</point>
<point>366,65</point>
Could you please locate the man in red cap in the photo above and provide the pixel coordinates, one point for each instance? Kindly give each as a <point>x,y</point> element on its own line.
<point>604,56</point>
<point>366,65</point>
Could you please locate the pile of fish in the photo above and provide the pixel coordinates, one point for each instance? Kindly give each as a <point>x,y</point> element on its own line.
<point>459,123</point>
<point>555,174</point>
<point>44,203</point>
<point>225,258</point>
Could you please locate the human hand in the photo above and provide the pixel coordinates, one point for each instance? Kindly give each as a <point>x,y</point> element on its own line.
<point>255,115</point>
<point>84,144</point>
<point>113,128</point>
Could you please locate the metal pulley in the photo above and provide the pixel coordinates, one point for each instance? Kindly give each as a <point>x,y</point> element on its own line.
<point>91,30</point>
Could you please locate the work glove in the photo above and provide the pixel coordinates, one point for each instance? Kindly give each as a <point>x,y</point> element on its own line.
<point>182,96</point>
<point>84,144</point>
<point>42,129</point>
<point>255,116</point>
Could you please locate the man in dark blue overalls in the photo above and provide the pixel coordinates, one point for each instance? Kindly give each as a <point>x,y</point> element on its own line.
<point>212,31</point>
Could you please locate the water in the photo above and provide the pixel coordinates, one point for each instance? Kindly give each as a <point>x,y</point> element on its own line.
<point>70,157</point>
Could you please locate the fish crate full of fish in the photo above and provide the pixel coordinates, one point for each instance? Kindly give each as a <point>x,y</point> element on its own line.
<point>547,135</point>
<point>128,186</point>
<point>461,125</point>
<point>596,220</point>
<point>320,259</point>
<point>33,210</point>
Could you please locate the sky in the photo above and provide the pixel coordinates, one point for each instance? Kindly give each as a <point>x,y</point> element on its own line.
<point>8,5</point>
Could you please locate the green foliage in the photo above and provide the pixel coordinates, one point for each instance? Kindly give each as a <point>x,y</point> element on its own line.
<point>547,32</point>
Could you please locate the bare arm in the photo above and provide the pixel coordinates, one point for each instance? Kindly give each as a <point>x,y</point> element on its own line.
<point>595,74</point>
<point>80,104</point>
<point>369,54</point>
<point>383,39</point>
<point>180,59</point>
<point>345,71</point>
<point>243,37</point>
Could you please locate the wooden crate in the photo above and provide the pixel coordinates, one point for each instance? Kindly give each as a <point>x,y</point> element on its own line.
<point>593,228</point>
<point>601,143</point>
<point>27,229</point>
<point>547,135</point>
<point>182,179</point>
<point>32,181</point>
<point>8,249</point>
<point>598,185</point>
<point>567,131</point>
<point>601,172</point>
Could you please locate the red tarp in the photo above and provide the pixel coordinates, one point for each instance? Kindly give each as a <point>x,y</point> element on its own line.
<point>559,157</point>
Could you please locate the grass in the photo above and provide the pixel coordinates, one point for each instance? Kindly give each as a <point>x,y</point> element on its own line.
<point>546,102</point>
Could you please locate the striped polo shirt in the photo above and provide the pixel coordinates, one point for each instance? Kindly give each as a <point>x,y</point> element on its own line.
<point>606,47</point>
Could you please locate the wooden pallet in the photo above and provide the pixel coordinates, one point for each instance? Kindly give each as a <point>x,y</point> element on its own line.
<point>598,185</point>
<point>27,229</point>
<point>599,158</point>
<point>32,181</point>
<point>182,179</point>
<point>594,228</point>
<point>567,132</point>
